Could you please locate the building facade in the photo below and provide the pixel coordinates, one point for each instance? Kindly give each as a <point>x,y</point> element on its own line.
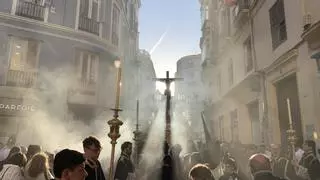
<point>188,95</point>
<point>57,58</point>
<point>143,89</point>
<point>262,56</point>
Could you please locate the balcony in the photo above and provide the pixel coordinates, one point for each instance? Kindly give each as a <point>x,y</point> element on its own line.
<point>312,35</point>
<point>15,78</point>
<point>30,10</point>
<point>89,25</point>
<point>82,91</point>
<point>240,12</point>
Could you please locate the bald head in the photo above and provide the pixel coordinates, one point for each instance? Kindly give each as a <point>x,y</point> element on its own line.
<point>259,162</point>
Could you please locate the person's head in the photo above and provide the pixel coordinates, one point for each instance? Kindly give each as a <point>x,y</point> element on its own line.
<point>69,165</point>
<point>275,149</point>
<point>126,148</point>
<point>91,147</point>
<point>176,149</point>
<point>200,172</point>
<point>259,162</point>
<point>309,145</point>
<point>32,150</point>
<point>230,166</point>
<point>18,159</point>
<point>38,164</point>
<point>13,151</point>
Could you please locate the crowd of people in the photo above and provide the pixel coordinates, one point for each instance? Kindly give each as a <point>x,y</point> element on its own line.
<point>236,162</point>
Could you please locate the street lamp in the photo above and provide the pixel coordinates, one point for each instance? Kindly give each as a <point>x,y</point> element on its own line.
<point>316,56</point>
<point>115,123</point>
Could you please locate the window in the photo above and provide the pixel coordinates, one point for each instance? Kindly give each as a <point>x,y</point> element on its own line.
<point>234,126</point>
<point>24,54</point>
<point>89,9</point>
<point>278,24</point>
<point>230,70</point>
<point>115,24</point>
<point>248,55</point>
<point>87,64</point>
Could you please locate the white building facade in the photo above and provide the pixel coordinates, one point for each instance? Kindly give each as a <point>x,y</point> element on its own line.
<point>263,54</point>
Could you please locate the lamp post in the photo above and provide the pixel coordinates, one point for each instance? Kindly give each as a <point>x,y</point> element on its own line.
<point>115,123</point>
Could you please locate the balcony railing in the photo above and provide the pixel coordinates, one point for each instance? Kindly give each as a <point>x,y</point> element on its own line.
<point>30,10</point>
<point>89,25</point>
<point>238,11</point>
<point>15,78</point>
<point>84,87</point>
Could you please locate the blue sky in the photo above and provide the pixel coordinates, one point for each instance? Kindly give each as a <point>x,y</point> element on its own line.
<point>181,20</point>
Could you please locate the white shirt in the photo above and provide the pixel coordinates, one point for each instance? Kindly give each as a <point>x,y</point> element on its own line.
<point>299,154</point>
<point>4,152</point>
<point>11,172</point>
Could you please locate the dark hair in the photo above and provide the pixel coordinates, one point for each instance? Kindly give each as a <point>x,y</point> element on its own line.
<point>201,172</point>
<point>66,159</point>
<point>91,140</point>
<point>14,150</point>
<point>32,150</point>
<point>125,145</point>
<point>38,164</point>
<point>312,145</point>
<point>18,159</point>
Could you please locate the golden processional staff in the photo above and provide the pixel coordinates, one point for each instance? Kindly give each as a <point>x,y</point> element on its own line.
<point>115,123</point>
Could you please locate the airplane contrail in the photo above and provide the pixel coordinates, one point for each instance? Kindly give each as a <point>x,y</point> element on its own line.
<point>160,40</point>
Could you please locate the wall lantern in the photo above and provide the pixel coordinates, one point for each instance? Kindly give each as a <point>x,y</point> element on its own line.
<point>316,57</point>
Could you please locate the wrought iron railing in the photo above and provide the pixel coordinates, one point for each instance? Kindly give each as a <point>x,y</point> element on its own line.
<point>16,78</point>
<point>89,25</point>
<point>30,10</point>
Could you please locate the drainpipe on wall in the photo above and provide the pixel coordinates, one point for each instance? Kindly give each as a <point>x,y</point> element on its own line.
<point>264,125</point>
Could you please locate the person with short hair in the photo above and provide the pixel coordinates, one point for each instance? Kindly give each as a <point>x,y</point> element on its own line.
<point>32,150</point>
<point>92,148</point>
<point>124,165</point>
<point>69,165</point>
<point>309,159</point>
<point>200,172</point>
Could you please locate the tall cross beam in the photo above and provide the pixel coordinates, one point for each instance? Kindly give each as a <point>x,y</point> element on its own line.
<point>167,93</point>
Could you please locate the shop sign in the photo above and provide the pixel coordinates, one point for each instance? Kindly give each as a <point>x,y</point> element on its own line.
<point>17,107</point>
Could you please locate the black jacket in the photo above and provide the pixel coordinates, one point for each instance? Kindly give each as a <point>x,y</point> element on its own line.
<point>124,167</point>
<point>266,175</point>
<point>95,173</point>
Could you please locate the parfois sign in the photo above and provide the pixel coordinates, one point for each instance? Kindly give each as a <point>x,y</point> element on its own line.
<point>17,107</point>
<point>12,107</point>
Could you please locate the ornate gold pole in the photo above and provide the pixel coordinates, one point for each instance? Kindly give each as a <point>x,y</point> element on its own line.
<point>291,132</point>
<point>115,123</point>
